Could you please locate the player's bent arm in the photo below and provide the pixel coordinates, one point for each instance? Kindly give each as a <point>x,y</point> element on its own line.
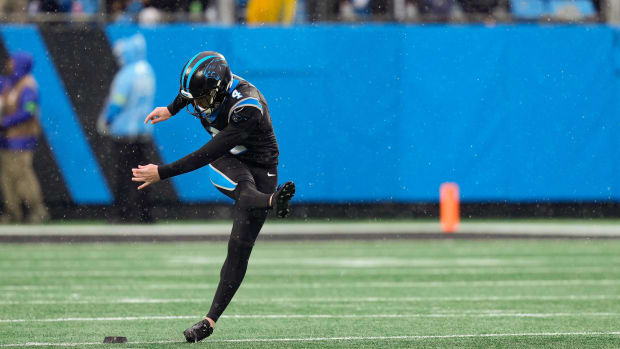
<point>231,136</point>
<point>215,148</point>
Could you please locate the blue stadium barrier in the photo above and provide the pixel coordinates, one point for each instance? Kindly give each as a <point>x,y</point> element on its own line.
<point>515,113</point>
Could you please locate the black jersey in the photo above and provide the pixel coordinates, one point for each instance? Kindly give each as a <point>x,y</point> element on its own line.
<point>241,126</point>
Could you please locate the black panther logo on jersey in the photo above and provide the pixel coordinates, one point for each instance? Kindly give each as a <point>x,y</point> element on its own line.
<point>238,117</point>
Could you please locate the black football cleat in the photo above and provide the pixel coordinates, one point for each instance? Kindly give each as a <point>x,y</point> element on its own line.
<point>282,196</point>
<point>201,330</point>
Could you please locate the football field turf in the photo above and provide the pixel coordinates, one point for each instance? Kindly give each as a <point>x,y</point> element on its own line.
<point>331,294</point>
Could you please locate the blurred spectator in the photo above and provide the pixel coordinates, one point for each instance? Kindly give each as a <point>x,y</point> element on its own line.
<point>126,12</point>
<point>55,5</point>
<point>316,10</point>
<point>572,10</point>
<point>479,6</point>
<point>88,7</point>
<point>557,9</point>
<point>439,8</point>
<point>13,6</point>
<point>271,11</point>
<point>405,10</point>
<point>130,100</point>
<point>20,130</point>
<point>149,15</point>
<point>196,9</point>
<point>363,9</point>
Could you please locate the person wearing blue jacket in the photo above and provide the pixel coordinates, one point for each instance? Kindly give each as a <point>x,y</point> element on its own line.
<point>20,129</point>
<point>130,99</point>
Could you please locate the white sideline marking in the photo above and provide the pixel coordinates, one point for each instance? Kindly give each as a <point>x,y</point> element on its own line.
<point>322,316</point>
<point>321,285</point>
<point>326,339</point>
<point>284,300</point>
<point>576,228</point>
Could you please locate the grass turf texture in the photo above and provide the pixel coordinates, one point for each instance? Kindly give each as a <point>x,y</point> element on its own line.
<point>505,294</point>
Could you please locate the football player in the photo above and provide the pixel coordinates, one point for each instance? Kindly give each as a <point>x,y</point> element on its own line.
<point>242,156</point>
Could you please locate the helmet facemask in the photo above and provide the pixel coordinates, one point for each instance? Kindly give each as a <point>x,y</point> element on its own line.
<point>206,105</point>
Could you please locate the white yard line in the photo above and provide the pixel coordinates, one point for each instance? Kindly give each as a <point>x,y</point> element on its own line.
<point>323,316</point>
<point>328,228</point>
<point>322,285</point>
<point>103,271</point>
<point>329,339</point>
<point>81,266</point>
<point>318,300</point>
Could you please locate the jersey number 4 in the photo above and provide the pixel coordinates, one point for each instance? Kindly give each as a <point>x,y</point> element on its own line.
<point>236,94</point>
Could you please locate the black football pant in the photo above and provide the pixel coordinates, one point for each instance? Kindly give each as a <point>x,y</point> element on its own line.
<point>251,188</point>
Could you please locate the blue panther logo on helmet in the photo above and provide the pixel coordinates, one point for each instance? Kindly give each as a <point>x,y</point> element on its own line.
<point>215,71</point>
<point>205,80</point>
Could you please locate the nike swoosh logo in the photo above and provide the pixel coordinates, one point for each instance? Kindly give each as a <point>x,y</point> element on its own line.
<point>271,174</point>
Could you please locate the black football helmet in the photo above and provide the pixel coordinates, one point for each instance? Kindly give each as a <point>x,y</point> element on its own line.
<point>205,81</point>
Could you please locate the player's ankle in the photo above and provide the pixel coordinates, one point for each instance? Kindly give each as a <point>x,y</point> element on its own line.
<point>211,322</point>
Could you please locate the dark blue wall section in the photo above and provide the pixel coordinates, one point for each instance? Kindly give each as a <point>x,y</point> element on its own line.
<point>389,112</point>
<point>63,131</point>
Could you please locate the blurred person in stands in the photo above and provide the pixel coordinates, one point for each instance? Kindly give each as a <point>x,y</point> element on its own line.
<point>19,123</point>
<point>485,7</point>
<point>270,11</point>
<point>13,6</point>
<point>115,7</point>
<point>320,10</point>
<point>350,10</point>
<point>405,10</point>
<point>149,14</point>
<point>440,9</point>
<point>54,6</point>
<point>131,97</point>
<point>126,12</point>
<point>85,7</point>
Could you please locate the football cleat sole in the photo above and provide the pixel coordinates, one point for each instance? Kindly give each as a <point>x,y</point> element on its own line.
<point>283,196</point>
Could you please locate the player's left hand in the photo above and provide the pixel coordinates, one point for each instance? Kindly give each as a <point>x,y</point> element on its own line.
<point>147,174</point>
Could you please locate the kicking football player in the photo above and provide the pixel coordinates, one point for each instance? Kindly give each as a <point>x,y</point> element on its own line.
<point>242,157</point>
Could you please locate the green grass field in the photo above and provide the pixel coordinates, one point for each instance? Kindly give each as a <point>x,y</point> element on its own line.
<point>338,294</point>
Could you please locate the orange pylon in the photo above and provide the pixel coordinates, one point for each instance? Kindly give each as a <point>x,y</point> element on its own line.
<point>449,211</point>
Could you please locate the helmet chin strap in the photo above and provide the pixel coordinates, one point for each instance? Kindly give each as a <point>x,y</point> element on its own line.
<point>206,111</point>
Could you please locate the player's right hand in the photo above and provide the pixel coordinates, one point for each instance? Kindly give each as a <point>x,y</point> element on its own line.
<point>158,114</point>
